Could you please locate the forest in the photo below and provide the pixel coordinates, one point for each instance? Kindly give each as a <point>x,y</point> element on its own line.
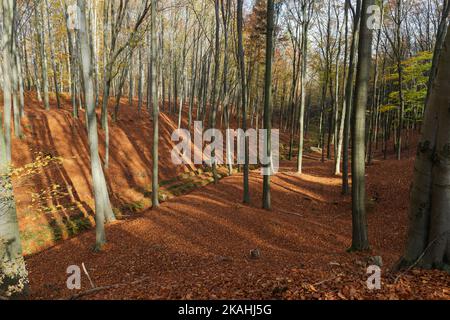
<point>225,149</point>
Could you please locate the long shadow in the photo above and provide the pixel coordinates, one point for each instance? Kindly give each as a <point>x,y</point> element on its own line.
<point>53,176</point>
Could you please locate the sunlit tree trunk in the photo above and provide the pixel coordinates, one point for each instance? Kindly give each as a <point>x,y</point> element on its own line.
<point>72,63</point>
<point>340,138</point>
<point>155,149</point>
<point>103,210</point>
<point>52,53</point>
<point>140,81</point>
<point>43,54</point>
<point>10,246</point>
<point>306,7</point>
<point>349,98</point>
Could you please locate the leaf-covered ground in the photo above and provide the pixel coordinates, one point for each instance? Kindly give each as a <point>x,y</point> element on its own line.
<point>197,246</point>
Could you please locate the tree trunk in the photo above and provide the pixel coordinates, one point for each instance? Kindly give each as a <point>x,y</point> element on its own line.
<point>360,237</point>
<point>10,246</point>
<point>340,138</point>
<point>213,101</point>
<point>267,204</point>
<point>52,54</point>
<point>440,38</point>
<point>304,63</point>
<point>349,98</point>
<point>401,114</point>
<point>43,55</point>
<point>241,58</point>
<point>103,210</point>
<point>428,243</point>
<point>154,52</point>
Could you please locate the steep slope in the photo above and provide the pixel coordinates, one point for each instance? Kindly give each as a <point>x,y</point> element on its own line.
<point>53,190</point>
<point>198,245</point>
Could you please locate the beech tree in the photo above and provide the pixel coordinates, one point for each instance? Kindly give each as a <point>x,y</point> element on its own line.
<point>268,104</point>
<point>306,9</point>
<point>359,219</point>
<point>349,94</point>
<point>155,103</point>
<point>13,275</point>
<point>103,210</point>
<point>304,65</point>
<point>40,34</point>
<point>241,57</point>
<point>429,231</point>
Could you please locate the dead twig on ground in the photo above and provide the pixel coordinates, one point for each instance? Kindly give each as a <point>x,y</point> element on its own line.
<point>327,280</point>
<point>97,289</point>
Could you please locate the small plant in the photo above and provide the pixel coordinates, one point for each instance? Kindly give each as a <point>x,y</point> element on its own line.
<point>13,274</point>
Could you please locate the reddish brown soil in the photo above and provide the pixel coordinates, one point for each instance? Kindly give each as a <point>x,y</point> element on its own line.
<point>197,246</point>
<point>56,201</point>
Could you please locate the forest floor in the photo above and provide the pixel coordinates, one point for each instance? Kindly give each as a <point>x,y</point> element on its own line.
<point>198,244</point>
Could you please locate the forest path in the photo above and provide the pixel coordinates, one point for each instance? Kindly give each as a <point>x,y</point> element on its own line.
<point>197,246</point>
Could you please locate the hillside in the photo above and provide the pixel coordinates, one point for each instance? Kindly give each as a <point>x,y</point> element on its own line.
<point>198,246</point>
<point>55,199</point>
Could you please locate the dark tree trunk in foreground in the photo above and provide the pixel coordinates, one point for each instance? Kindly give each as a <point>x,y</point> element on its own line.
<point>428,243</point>
<point>360,237</point>
<point>103,210</point>
<point>440,38</point>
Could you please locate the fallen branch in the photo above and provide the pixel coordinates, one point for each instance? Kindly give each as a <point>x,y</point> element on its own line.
<point>288,212</point>
<point>87,274</point>
<point>326,280</point>
<point>94,290</point>
<point>97,289</point>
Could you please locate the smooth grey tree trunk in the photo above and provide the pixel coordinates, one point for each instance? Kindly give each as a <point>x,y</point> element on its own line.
<point>398,49</point>
<point>43,54</point>
<point>340,138</point>
<point>213,101</point>
<point>140,81</point>
<point>241,59</point>
<point>52,54</point>
<point>103,210</point>
<point>155,145</point>
<point>360,239</point>
<point>306,14</point>
<point>9,228</point>
<point>349,99</point>
<point>267,204</point>
<point>72,64</point>
<point>20,73</point>
<point>37,81</point>
<point>15,87</point>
